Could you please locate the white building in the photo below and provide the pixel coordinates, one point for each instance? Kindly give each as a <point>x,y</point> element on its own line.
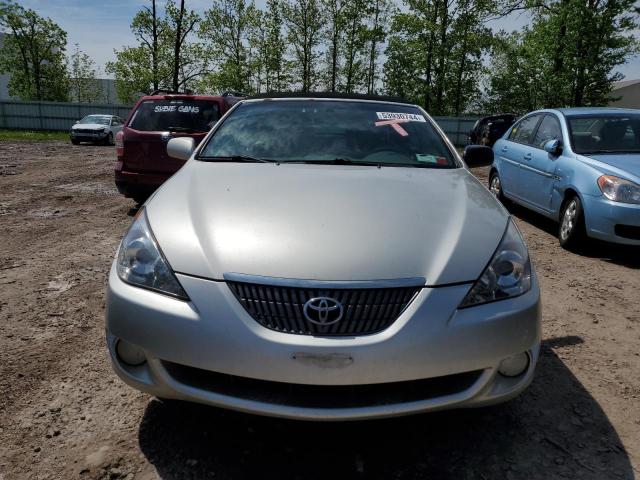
<point>628,92</point>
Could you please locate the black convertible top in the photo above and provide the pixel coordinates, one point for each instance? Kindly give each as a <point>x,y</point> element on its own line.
<point>348,96</point>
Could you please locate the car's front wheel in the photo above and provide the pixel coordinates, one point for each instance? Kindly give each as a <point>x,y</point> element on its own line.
<point>75,142</point>
<point>572,232</point>
<point>495,186</point>
<point>109,139</point>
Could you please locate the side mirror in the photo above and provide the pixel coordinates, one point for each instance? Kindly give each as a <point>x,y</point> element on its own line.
<point>554,147</point>
<point>477,155</point>
<point>181,148</point>
<point>77,122</point>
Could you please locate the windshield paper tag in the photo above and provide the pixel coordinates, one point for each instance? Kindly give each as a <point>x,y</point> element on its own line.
<point>407,117</point>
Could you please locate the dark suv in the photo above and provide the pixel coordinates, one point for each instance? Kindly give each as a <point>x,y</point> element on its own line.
<point>143,164</point>
<point>488,130</point>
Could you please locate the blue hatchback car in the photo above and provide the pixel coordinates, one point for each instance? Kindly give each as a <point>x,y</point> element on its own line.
<point>578,166</point>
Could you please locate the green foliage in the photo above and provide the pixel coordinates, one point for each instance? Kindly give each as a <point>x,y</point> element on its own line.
<point>165,56</point>
<point>333,36</point>
<point>226,29</point>
<point>33,54</point>
<point>186,59</point>
<point>276,66</point>
<point>566,58</point>
<point>354,68</point>
<point>304,22</point>
<point>84,87</point>
<point>377,24</point>
<point>435,51</point>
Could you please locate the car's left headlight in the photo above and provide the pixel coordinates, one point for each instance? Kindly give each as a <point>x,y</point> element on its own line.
<point>106,130</point>
<point>508,273</point>
<point>618,189</point>
<point>141,263</point>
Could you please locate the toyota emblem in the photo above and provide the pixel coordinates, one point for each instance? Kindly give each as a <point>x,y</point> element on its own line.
<point>323,311</point>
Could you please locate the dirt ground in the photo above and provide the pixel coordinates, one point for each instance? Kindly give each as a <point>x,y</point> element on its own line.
<point>64,414</point>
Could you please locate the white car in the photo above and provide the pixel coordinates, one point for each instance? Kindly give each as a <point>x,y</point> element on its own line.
<point>96,129</point>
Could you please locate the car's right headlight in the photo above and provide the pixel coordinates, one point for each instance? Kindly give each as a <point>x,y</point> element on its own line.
<point>618,189</point>
<point>508,273</point>
<point>141,263</point>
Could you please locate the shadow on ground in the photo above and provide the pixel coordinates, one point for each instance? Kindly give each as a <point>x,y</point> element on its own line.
<point>624,255</point>
<point>554,430</point>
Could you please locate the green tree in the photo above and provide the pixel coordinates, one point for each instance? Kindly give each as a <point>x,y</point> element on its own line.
<point>84,86</point>
<point>333,36</point>
<point>304,21</point>
<point>381,11</point>
<point>226,29</point>
<point>277,66</point>
<point>186,61</point>
<point>355,39</point>
<point>573,45</point>
<point>33,54</point>
<point>434,53</point>
<point>166,56</point>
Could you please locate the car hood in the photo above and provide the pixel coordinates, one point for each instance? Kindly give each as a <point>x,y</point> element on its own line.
<point>89,126</point>
<point>325,222</point>
<point>620,164</point>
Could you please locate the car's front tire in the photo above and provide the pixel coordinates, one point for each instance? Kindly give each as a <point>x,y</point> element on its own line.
<point>140,198</point>
<point>75,142</point>
<point>109,139</point>
<point>495,186</point>
<point>572,232</point>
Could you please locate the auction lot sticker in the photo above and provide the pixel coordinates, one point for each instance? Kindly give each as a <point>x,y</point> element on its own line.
<point>407,117</point>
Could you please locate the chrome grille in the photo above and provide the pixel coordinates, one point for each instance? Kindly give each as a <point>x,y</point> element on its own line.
<point>280,308</point>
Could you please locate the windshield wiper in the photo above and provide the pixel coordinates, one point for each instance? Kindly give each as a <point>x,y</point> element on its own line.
<point>184,129</point>
<point>335,161</point>
<point>237,158</point>
<point>345,161</point>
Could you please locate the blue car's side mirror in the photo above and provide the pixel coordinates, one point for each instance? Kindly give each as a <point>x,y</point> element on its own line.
<point>554,147</point>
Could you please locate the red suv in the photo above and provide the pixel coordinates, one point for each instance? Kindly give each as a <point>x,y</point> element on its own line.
<point>143,164</point>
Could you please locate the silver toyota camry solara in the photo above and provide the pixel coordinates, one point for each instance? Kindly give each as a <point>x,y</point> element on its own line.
<point>325,259</point>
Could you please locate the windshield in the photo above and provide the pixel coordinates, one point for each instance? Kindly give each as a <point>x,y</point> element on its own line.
<point>614,133</point>
<point>329,131</point>
<point>97,119</point>
<point>176,114</point>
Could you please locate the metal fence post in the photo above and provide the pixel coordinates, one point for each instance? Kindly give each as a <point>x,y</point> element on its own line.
<point>40,115</point>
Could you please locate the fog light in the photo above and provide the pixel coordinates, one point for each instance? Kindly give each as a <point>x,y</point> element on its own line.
<point>129,353</point>
<point>514,365</point>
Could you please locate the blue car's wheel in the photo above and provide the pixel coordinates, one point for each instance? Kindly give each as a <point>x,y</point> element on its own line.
<point>495,186</point>
<point>572,231</point>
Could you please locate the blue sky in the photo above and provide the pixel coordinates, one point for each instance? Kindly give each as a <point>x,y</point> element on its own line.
<point>99,26</point>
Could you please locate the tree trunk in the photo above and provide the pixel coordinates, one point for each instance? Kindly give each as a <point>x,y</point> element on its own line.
<point>442,59</point>
<point>154,47</point>
<point>371,76</point>
<point>429,65</point>
<point>176,49</point>
<point>351,53</point>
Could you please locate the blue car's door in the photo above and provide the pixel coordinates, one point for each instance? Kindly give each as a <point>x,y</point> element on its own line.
<point>537,172</point>
<point>511,152</point>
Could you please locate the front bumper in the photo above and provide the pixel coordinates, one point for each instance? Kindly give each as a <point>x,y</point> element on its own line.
<point>88,137</point>
<point>602,216</point>
<point>135,184</point>
<point>428,347</point>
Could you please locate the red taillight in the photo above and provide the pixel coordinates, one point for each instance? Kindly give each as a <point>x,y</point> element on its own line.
<point>120,143</point>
